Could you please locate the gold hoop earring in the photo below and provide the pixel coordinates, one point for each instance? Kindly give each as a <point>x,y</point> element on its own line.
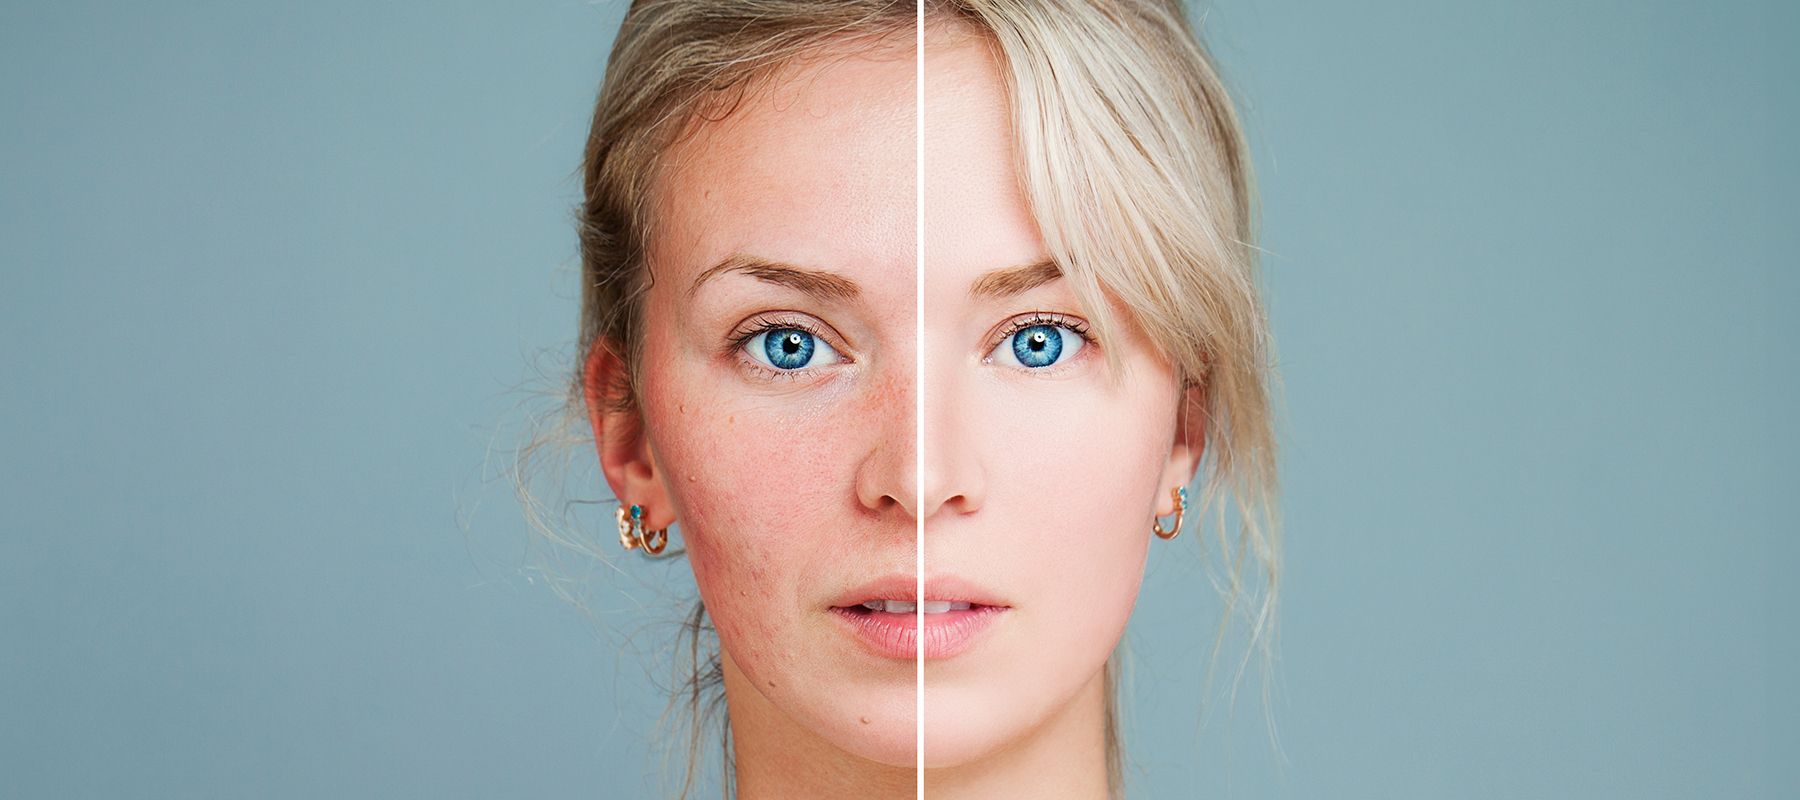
<point>656,541</point>
<point>1180,496</point>
<point>633,533</point>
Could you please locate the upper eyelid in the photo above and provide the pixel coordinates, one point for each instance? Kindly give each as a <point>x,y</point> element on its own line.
<point>769,320</point>
<point>764,321</point>
<point>1031,319</point>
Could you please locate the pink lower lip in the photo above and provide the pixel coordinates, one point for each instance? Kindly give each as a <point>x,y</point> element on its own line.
<point>897,635</point>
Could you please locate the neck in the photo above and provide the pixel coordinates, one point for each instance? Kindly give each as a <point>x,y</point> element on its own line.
<point>777,757</point>
<point>1064,759</point>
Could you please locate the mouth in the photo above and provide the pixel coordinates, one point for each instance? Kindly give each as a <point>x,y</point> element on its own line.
<point>887,616</point>
<point>909,607</point>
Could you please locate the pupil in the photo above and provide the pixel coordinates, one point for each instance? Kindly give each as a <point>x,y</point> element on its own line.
<point>790,344</point>
<point>1038,341</point>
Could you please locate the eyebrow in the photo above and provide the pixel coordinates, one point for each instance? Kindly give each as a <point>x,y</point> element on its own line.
<point>1013,281</point>
<point>818,283</point>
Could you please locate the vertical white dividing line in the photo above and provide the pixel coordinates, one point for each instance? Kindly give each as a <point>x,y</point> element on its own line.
<point>920,502</point>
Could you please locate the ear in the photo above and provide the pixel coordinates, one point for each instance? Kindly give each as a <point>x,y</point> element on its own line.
<point>631,469</point>
<point>1190,445</point>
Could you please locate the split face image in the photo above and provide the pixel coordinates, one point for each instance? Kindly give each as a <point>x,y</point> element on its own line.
<point>920,325</point>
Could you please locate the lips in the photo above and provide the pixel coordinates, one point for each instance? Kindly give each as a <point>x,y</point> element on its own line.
<point>886,614</point>
<point>910,607</point>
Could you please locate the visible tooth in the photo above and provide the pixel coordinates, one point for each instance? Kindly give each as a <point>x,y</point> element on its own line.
<point>901,606</point>
<point>936,606</point>
<point>958,607</point>
<point>875,605</point>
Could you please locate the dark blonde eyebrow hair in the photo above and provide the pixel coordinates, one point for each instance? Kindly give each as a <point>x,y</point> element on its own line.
<point>1011,281</point>
<point>818,283</point>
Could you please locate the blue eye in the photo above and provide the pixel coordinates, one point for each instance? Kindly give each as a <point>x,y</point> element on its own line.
<point>789,349</point>
<point>1039,346</point>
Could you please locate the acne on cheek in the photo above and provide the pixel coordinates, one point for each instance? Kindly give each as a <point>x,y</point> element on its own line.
<point>748,484</point>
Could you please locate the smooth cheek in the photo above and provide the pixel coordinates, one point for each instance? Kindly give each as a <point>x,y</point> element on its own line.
<point>1077,496</point>
<point>1071,488</point>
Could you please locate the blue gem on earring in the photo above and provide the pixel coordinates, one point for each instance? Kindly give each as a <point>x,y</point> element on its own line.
<point>637,512</point>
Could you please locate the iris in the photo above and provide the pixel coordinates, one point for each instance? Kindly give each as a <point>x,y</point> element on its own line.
<point>789,348</point>
<point>1038,345</point>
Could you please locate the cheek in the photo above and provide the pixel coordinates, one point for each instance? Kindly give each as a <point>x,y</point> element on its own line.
<point>749,485</point>
<point>761,486</point>
<point>1081,480</point>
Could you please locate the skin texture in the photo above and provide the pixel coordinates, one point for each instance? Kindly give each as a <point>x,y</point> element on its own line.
<point>1039,484</point>
<point>792,487</point>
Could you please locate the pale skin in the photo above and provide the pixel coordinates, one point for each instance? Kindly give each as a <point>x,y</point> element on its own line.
<point>1040,482</point>
<point>791,486</point>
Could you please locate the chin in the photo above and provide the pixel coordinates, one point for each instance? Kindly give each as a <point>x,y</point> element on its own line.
<point>890,736</point>
<point>895,745</point>
<point>974,716</point>
<point>967,723</point>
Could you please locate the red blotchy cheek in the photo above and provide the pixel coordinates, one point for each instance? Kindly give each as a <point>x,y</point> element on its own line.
<point>756,491</point>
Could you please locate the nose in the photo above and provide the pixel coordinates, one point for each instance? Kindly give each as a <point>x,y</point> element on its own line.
<point>889,476</point>
<point>954,478</point>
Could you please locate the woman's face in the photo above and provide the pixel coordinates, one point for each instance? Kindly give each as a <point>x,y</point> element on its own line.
<point>1042,465</point>
<point>778,389</point>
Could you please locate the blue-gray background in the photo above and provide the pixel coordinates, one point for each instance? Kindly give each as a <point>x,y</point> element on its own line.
<point>269,272</point>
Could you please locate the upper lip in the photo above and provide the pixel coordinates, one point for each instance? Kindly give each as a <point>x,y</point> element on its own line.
<point>953,588</point>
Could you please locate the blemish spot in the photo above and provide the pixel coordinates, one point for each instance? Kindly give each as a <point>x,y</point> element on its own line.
<point>865,720</point>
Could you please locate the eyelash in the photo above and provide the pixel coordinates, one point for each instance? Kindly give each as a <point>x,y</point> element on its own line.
<point>1074,325</point>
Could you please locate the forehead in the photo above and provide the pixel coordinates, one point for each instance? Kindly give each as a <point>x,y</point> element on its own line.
<point>816,165</point>
<point>977,217</point>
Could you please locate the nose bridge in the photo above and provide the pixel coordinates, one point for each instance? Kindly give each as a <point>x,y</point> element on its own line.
<point>891,471</point>
<point>952,470</point>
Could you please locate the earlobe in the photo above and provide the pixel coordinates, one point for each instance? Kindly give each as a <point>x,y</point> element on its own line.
<point>1189,447</point>
<point>624,449</point>
<point>1183,462</point>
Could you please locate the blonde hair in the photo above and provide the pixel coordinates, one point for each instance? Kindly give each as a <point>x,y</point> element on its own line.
<point>1132,160</point>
